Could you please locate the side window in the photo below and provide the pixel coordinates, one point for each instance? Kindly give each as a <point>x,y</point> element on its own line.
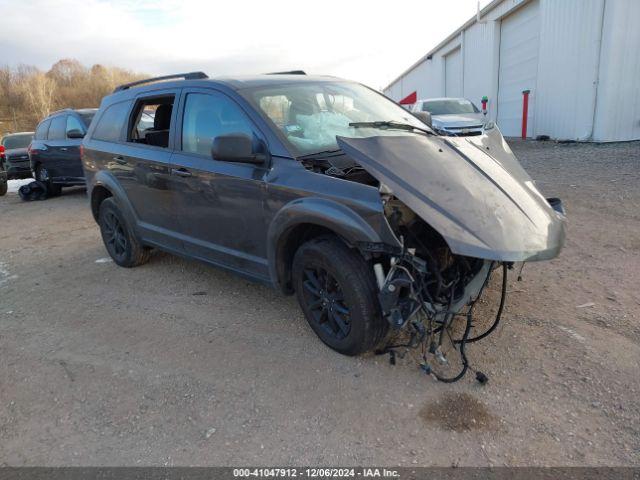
<point>73,124</point>
<point>151,122</point>
<point>42,130</point>
<point>208,115</point>
<point>111,123</point>
<point>58,128</point>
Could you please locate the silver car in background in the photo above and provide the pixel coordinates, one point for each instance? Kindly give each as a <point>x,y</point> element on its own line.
<point>452,116</point>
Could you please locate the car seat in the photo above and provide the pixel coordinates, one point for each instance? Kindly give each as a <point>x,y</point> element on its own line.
<point>159,136</point>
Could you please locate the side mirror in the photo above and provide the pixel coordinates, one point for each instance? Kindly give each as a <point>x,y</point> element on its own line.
<point>75,133</point>
<point>235,147</point>
<point>424,117</point>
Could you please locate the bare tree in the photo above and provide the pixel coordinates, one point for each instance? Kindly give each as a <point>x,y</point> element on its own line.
<point>28,94</point>
<point>38,90</point>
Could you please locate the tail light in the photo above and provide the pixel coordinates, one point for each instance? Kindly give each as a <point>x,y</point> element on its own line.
<point>81,152</point>
<point>2,150</point>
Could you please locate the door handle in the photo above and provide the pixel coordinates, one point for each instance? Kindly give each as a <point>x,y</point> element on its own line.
<point>120,160</point>
<point>64,149</point>
<point>180,172</point>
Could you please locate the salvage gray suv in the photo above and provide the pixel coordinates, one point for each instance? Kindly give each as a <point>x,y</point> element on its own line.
<point>317,186</point>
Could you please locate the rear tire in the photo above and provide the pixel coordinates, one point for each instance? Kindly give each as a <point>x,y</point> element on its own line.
<point>42,175</point>
<point>337,292</point>
<point>118,237</point>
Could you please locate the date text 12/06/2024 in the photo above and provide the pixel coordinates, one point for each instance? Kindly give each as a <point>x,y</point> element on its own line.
<point>315,472</point>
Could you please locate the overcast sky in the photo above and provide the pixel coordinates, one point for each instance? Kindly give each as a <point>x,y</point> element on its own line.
<point>368,41</point>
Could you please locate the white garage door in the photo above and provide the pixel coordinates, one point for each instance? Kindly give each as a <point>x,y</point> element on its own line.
<point>453,74</point>
<point>519,44</point>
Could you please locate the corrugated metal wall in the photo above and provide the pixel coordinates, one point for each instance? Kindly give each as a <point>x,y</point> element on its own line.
<point>568,68</point>
<point>587,84</point>
<point>617,114</point>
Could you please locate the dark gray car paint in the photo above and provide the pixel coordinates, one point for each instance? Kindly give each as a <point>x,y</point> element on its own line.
<point>239,216</point>
<point>227,214</point>
<point>472,190</point>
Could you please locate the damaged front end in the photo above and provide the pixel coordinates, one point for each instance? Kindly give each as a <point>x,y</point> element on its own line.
<point>424,289</point>
<point>461,209</point>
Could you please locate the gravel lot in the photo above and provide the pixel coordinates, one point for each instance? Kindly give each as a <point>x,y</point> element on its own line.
<point>177,363</point>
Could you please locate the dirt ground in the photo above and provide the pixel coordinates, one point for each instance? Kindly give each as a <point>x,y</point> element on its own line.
<point>178,363</point>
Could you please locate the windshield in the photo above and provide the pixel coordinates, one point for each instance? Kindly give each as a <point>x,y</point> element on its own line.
<point>449,106</point>
<point>310,115</point>
<point>17,141</point>
<point>87,116</point>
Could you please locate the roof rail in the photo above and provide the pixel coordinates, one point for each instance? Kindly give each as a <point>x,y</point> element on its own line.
<point>290,72</point>
<point>186,76</point>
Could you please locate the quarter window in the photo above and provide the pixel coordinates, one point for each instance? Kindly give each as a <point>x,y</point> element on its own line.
<point>111,123</point>
<point>207,116</point>
<point>57,130</point>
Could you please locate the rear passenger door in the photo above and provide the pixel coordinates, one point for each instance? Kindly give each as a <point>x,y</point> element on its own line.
<point>220,209</point>
<point>144,167</point>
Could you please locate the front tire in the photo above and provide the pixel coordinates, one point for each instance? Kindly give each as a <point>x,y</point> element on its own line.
<point>117,235</point>
<point>337,292</point>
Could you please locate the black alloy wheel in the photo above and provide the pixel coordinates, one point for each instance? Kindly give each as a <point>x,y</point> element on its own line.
<point>325,300</point>
<point>338,294</point>
<point>119,239</point>
<point>114,236</point>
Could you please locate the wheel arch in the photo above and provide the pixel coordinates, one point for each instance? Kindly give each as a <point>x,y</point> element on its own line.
<point>104,186</point>
<point>303,220</point>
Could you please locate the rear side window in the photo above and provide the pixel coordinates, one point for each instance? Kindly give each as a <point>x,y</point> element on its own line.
<point>208,115</point>
<point>41,131</point>
<point>58,128</point>
<point>151,122</point>
<point>111,123</point>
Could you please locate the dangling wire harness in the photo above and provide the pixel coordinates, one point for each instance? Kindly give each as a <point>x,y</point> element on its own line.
<point>429,325</point>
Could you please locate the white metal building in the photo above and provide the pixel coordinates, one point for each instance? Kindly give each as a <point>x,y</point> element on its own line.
<point>579,58</point>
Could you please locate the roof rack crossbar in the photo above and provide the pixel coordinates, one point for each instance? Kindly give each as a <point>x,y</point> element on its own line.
<point>290,72</point>
<point>186,76</point>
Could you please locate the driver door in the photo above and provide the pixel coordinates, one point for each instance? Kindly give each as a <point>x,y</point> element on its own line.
<point>219,204</point>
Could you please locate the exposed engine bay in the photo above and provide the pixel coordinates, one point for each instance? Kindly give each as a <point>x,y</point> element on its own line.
<point>461,209</point>
<point>430,293</point>
<point>427,293</point>
<point>340,166</point>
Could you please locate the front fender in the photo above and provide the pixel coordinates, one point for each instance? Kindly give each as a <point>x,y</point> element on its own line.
<point>334,216</point>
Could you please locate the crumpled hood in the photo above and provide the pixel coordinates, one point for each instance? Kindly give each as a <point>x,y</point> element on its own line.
<point>472,190</point>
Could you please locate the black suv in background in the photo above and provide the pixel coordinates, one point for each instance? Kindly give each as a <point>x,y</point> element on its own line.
<point>54,153</point>
<point>14,156</point>
<point>317,186</point>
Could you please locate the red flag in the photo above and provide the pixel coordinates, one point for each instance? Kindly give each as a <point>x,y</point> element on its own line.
<point>409,99</point>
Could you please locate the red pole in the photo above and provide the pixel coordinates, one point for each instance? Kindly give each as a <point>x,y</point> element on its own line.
<point>525,112</point>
